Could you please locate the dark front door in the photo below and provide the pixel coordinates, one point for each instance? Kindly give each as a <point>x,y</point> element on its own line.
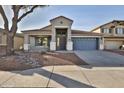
<point>61,39</point>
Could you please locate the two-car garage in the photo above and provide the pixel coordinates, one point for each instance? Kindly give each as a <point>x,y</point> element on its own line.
<point>85,43</point>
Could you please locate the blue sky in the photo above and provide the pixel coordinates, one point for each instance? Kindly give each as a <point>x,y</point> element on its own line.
<point>85,17</point>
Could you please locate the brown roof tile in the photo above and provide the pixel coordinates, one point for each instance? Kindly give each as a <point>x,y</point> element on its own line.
<point>41,29</point>
<point>78,32</point>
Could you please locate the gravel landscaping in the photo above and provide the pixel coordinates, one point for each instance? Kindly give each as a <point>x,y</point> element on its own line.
<point>22,61</point>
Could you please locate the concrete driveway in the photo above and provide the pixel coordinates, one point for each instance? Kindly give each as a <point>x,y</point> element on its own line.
<point>101,58</point>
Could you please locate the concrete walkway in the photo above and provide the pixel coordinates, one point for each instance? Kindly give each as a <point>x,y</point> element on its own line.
<point>64,76</point>
<point>101,58</point>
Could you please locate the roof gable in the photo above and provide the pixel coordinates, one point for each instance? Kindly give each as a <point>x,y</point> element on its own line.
<point>111,22</point>
<point>61,17</point>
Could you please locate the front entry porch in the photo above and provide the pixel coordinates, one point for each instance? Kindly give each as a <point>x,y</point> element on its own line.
<point>38,43</point>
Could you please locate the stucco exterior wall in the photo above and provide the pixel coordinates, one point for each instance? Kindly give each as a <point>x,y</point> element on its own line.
<point>0,39</point>
<point>97,30</point>
<point>3,39</point>
<point>18,41</point>
<point>32,41</point>
<point>61,22</point>
<point>109,26</point>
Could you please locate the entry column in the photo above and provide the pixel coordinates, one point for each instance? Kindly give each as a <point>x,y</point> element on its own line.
<point>26,42</point>
<point>53,39</point>
<point>69,45</point>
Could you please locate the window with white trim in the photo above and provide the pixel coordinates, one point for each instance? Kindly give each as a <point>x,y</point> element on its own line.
<point>106,30</point>
<point>41,41</point>
<point>119,30</point>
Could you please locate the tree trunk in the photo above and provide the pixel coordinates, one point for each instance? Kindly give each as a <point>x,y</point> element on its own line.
<point>10,44</point>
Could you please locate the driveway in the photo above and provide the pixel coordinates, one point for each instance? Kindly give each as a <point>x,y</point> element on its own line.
<point>101,58</point>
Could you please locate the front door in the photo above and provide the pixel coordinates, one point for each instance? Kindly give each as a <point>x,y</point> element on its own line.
<point>61,39</point>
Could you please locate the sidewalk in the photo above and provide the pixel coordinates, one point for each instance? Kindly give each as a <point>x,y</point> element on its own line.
<point>69,76</point>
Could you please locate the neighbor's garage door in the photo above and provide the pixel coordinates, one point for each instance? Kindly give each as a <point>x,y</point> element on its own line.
<point>85,43</point>
<point>113,44</point>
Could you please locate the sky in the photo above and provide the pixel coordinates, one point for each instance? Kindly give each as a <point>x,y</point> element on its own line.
<point>85,17</point>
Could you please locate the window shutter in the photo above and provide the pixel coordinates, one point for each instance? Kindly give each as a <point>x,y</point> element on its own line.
<point>110,30</point>
<point>102,30</point>
<point>116,31</point>
<point>123,30</point>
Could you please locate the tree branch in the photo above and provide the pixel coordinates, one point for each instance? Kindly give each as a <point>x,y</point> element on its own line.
<point>6,25</point>
<point>15,9</point>
<point>28,12</point>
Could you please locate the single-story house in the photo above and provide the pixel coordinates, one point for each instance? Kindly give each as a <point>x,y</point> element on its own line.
<point>113,34</point>
<point>18,39</point>
<point>59,35</point>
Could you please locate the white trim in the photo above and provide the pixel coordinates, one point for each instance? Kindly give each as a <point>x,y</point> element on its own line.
<point>87,36</point>
<point>61,26</point>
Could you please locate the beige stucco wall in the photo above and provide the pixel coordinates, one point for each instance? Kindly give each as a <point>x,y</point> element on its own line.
<point>18,41</point>
<point>3,39</point>
<point>97,30</point>
<point>57,24</point>
<point>32,41</point>
<point>0,38</point>
<point>61,22</point>
<point>65,24</point>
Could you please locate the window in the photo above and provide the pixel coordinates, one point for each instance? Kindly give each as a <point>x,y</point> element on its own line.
<point>106,30</point>
<point>41,41</point>
<point>119,30</point>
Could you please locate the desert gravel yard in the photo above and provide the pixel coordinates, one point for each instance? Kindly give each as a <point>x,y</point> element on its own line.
<point>23,61</point>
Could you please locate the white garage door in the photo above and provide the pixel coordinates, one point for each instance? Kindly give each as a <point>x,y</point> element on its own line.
<point>113,44</point>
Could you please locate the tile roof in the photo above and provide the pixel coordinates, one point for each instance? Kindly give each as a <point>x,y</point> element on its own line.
<point>78,32</point>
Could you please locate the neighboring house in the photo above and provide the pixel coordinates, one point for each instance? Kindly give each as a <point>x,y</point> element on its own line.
<point>59,36</point>
<point>113,33</point>
<point>18,39</point>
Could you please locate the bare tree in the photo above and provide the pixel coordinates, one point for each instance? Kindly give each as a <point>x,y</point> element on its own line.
<point>27,9</point>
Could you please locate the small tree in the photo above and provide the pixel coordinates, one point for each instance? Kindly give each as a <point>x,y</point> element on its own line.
<point>10,33</point>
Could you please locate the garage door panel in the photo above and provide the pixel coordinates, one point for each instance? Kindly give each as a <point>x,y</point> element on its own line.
<point>85,43</point>
<point>113,44</point>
